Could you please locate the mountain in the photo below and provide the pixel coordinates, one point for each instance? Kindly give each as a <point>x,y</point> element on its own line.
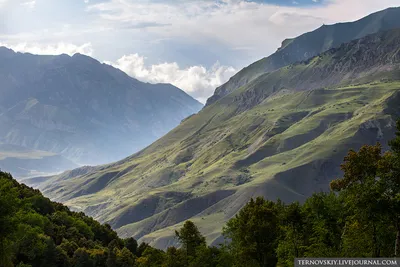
<point>283,135</point>
<point>311,44</point>
<point>24,162</point>
<point>82,110</point>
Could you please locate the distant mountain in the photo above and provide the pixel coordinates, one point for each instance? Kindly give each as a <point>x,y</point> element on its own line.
<point>85,111</point>
<point>283,135</point>
<point>24,162</point>
<point>309,45</point>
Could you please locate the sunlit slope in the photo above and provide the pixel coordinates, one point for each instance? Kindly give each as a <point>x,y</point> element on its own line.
<point>281,136</point>
<point>296,151</point>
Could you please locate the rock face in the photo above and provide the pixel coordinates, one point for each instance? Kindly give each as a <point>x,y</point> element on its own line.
<point>283,135</point>
<point>309,45</point>
<point>88,112</point>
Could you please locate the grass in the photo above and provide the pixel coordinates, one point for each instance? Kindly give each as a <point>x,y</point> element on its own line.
<point>283,135</point>
<point>217,145</point>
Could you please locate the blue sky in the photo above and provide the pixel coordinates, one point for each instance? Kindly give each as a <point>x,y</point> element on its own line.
<point>194,44</point>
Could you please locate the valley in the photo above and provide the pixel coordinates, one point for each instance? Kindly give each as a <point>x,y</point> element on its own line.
<point>80,110</point>
<point>108,159</point>
<point>282,136</point>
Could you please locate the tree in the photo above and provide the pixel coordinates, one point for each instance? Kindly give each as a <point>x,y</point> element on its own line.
<point>131,244</point>
<point>175,258</point>
<point>61,259</point>
<point>112,256</point>
<point>98,257</point>
<point>82,258</point>
<point>209,257</point>
<point>69,247</point>
<point>323,223</point>
<point>363,187</point>
<point>125,258</point>
<point>254,234</point>
<point>190,238</point>
<point>31,226</point>
<point>391,170</point>
<point>151,257</point>
<point>293,228</point>
<point>8,206</point>
<point>142,247</point>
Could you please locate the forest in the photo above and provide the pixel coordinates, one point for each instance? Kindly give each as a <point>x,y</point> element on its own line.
<point>359,217</point>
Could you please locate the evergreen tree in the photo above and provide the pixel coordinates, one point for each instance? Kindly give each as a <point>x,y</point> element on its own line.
<point>190,238</point>
<point>254,234</point>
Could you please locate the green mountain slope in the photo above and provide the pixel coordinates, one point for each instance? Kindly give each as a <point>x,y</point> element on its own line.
<point>311,44</point>
<point>281,136</point>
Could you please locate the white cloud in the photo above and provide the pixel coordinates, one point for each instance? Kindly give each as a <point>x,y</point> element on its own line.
<point>51,49</point>
<point>235,23</point>
<point>197,81</point>
<point>235,31</point>
<point>29,4</point>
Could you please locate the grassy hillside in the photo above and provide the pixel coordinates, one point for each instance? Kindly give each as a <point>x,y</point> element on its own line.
<point>283,136</point>
<point>311,44</point>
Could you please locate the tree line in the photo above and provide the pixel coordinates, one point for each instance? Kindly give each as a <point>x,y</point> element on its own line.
<point>359,217</point>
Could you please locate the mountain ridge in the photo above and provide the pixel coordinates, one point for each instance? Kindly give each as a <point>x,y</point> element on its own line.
<point>283,135</point>
<point>86,111</point>
<point>299,48</point>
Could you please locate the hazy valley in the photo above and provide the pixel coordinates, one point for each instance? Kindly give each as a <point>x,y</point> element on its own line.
<point>78,111</point>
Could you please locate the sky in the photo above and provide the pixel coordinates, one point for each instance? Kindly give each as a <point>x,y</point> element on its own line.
<point>196,45</point>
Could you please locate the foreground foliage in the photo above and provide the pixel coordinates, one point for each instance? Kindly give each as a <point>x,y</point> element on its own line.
<point>37,232</point>
<point>359,218</point>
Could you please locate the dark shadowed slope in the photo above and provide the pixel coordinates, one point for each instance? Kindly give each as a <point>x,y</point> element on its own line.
<point>310,44</point>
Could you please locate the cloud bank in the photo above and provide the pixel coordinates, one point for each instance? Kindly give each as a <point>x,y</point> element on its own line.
<point>180,39</point>
<point>51,49</point>
<point>197,81</point>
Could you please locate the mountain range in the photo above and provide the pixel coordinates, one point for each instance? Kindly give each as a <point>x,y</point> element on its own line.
<point>311,44</point>
<point>283,134</point>
<point>63,111</point>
